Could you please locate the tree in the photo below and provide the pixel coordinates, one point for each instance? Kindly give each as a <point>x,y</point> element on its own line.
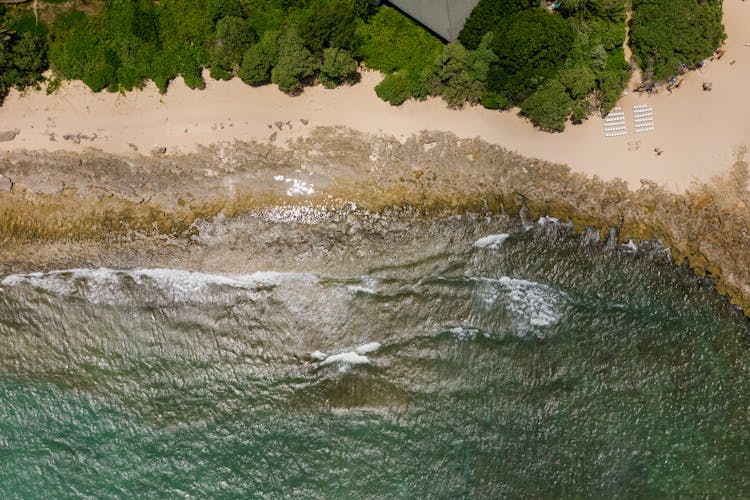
<point>396,45</point>
<point>23,58</point>
<point>612,11</point>
<point>392,42</point>
<point>329,24</point>
<point>233,37</point>
<point>666,36</point>
<point>548,107</point>
<point>487,16</point>
<point>530,47</point>
<point>259,60</point>
<point>396,88</point>
<point>295,66</point>
<point>219,9</point>
<point>459,75</point>
<point>338,67</point>
<point>578,80</point>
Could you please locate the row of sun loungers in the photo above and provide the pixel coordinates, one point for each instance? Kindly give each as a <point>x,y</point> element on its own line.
<point>643,118</point>
<point>643,121</point>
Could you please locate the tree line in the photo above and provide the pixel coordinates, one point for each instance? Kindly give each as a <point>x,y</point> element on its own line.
<point>554,64</point>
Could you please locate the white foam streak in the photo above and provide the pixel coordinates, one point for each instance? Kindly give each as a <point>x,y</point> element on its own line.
<point>492,241</point>
<point>369,347</point>
<point>105,285</point>
<point>345,360</point>
<point>531,304</point>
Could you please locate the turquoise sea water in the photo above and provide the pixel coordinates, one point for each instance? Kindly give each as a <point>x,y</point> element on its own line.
<point>428,360</point>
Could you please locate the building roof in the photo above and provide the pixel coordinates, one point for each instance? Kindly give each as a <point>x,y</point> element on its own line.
<point>444,17</point>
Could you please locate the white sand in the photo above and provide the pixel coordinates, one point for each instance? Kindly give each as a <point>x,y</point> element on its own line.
<point>698,131</point>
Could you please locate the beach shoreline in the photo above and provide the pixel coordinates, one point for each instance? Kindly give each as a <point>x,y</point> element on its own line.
<point>699,132</point>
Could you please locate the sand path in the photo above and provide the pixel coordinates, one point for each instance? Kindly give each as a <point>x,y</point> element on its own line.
<point>699,132</point>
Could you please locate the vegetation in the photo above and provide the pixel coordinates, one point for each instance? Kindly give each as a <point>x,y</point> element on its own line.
<point>667,37</point>
<point>488,15</point>
<point>23,53</point>
<point>261,41</point>
<point>531,46</point>
<point>397,46</point>
<point>338,67</point>
<point>508,51</point>
<point>460,75</point>
<point>549,107</point>
<point>554,65</point>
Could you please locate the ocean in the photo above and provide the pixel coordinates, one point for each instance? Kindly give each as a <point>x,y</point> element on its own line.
<point>306,354</point>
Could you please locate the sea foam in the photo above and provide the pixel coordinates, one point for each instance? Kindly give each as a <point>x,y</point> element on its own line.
<point>531,304</point>
<point>344,361</point>
<point>492,241</point>
<point>105,285</point>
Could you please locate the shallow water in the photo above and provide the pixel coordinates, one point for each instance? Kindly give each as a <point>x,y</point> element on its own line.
<point>375,357</point>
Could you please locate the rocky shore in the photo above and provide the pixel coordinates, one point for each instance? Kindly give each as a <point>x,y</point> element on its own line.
<point>67,209</point>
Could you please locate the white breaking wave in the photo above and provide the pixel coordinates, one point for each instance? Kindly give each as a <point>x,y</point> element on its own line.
<point>531,304</point>
<point>491,241</point>
<point>369,347</point>
<point>105,285</point>
<point>369,283</point>
<point>344,361</point>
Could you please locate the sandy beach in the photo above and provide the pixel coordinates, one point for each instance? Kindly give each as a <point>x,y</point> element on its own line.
<point>699,132</point>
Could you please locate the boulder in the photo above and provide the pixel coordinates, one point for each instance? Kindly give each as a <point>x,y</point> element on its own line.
<point>8,135</point>
<point>159,150</point>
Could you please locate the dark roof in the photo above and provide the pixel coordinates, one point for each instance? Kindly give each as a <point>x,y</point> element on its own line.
<point>444,17</point>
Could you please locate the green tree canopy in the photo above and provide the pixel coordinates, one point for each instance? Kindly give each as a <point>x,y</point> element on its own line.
<point>330,23</point>
<point>666,35</point>
<point>579,81</point>
<point>549,107</point>
<point>296,64</point>
<point>487,15</point>
<point>338,67</point>
<point>460,75</point>
<point>23,56</point>
<point>530,47</point>
<point>259,60</point>
<point>233,37</point>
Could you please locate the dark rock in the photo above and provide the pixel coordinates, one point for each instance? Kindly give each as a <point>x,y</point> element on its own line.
<point>304,121</point>
<point>159,150</point>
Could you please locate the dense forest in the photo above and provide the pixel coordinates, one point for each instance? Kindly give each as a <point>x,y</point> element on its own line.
<point>557,62</point>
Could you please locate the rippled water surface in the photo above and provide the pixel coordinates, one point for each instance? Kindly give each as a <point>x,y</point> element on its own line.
<point>457,357</point>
